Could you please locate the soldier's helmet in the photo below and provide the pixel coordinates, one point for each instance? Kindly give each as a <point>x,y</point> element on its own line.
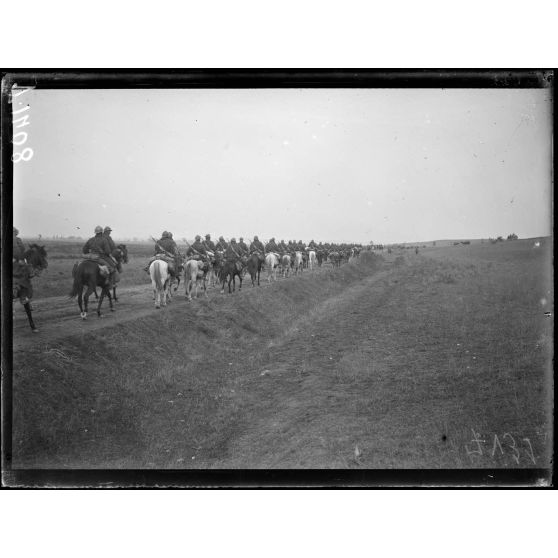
<point>256,237</point>
<point>107,229</point>
<point>241,238</point>
<point>198,237</point>
<point>16,232</point>
<point>165,234</point>
<point>208,236</point>
<point>221,238</point>
<point>98,229</point>
<point>233,240</point>
<point>272,239</point>
<point>282,241</point>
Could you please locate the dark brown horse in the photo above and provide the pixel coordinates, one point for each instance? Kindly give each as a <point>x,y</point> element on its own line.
<point>231,270</point>
<point>22,273</point>
<point>92,274</point>
<point>120,254</point>
<point>254,265</point>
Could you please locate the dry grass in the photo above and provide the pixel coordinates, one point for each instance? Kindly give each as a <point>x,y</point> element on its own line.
<point>371,365</point>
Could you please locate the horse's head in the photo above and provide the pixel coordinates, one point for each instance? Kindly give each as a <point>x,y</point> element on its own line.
<point>121,253</point>
<point>36,257</point>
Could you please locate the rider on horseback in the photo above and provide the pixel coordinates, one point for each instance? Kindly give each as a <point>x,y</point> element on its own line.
<point>233,254</point>
<point>257,248</point>
<point>21,272</point>
<point>166,250</point>
<point>222,244</point>
<point>197,249</point>
<point>283,247</point>
<point>243,247</point>
<point>18,254</point>
<point>208,243</point>
<point>312,245</point>
<point>271,246</point>
<point>98,248</point>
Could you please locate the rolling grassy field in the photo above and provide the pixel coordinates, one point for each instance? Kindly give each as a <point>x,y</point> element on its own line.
<point>441,359</point>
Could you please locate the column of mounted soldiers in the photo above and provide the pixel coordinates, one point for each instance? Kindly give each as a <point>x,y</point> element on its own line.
<point>101,247</point>
<point>216,253</point>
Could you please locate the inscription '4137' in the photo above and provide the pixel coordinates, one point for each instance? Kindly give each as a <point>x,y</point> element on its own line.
<point>507,445</point>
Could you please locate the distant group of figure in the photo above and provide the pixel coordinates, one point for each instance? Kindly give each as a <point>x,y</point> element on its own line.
<point>102,261</point>
<point>235,252</point>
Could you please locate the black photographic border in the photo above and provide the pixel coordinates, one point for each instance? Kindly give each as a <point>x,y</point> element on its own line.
<point>238,79</point>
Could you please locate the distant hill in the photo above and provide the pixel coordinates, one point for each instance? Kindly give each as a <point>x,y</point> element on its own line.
<point>452,241</point>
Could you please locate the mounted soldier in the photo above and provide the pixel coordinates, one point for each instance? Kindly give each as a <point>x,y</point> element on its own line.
<point>106,233</point>
<point>167,250</point>
<point>233,253</point>
<point>243,246</point>
<point>20,269</point>
<point>271,246</point>
<point>258,248</point>
<point>234,256</point>
<point>208,243</point>
<point>222,244</point>
<point>312,245</point>
<point>18,253</point>
<point>197,249</point>
<point>283,247</point>
<point>98,248</point>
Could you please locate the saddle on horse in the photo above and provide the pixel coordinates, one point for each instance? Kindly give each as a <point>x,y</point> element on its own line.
<point>107,266</point>
<point>166,258</point>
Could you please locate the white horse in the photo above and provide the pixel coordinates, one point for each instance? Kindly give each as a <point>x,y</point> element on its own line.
<point>271,263</point>
<point>311,259</point>
<point>285,265</point>
<point>298,262</point>
<point>160,279</point>
<point>194,276</point>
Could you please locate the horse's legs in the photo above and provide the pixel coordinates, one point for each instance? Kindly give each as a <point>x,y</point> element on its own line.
<point>240,279</point>
<point>164,293</point>
<point>114,294</point>
<point>100,301</point>
<point>110,300</point>
<point>90,289</point>
<point>27,307</point>
<point>169,291</point>
<point>80,303</point>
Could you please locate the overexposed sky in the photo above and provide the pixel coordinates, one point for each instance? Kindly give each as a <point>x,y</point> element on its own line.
<point>387,165</point>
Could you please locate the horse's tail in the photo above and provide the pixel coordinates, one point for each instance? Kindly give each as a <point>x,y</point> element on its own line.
<point>77,281</point>
<point>157,277</point>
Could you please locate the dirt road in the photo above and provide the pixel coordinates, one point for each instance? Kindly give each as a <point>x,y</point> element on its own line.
<point>57,317</point>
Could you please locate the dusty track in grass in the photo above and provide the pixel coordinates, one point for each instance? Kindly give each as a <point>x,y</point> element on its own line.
<point>58,317</point>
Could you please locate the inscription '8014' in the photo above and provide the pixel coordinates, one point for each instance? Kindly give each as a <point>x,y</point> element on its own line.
<point>20,120</point>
